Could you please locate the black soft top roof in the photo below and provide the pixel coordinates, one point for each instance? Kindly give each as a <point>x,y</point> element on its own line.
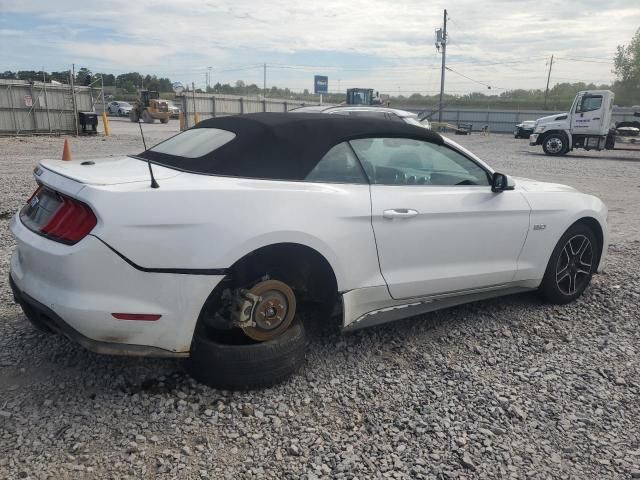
<point>283,146</point>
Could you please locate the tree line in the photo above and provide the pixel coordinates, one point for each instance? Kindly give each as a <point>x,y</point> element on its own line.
<point>125,82</point>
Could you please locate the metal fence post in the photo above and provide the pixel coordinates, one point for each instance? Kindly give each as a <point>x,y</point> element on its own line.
<point>241,105</point>
<point>286,107</point>
<point>13,109</point>
<point>213,105</point>
<point>33,108</point>
<point>264,105</point>
<point>185,113</point>
<point>75,105</point>
<point>46,101</point>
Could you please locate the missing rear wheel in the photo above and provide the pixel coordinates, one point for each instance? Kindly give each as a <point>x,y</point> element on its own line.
<point>272,310</point>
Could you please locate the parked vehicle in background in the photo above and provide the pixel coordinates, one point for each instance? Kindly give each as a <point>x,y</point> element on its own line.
<point>383,113</point>
<point>150,107</point>
<point>524,129</point>
<point>260,218</point>
<point>119,108</point>
<point>587,125</point>
<point>363,96</point>
<point>174,109</point>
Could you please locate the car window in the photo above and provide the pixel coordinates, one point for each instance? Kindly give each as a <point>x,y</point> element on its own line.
<point>370,114</point>
<point>361,113</point>
<point>393,117</point>
<point>589,103</point>
<point>413,121</point>
<point>339,165</point>
<point>195,142</point>
<point>403,161</point>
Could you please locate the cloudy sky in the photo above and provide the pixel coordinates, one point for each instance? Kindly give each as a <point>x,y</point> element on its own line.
<point>383,44</point>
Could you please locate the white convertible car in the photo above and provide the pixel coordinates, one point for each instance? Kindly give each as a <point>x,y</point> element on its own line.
<point>252,219</point>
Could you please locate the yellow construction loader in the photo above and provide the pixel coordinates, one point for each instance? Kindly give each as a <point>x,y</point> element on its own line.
<point>149,107</point>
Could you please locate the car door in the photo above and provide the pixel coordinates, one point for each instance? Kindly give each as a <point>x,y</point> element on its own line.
<point>588,115</point>
<point>438,226</point>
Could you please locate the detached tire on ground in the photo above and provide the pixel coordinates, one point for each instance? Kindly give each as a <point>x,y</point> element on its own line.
<point>247,367</point>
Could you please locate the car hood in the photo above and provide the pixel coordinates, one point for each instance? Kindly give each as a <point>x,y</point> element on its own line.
<point>530,185</point>
<point>108,171</point>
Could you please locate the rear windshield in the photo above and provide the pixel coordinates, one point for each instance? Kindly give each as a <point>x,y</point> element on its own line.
<point>194,143</point>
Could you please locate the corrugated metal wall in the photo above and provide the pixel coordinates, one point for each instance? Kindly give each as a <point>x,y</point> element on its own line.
<point>41,107</point>
<point>210,105</point>
<point>505,120</point>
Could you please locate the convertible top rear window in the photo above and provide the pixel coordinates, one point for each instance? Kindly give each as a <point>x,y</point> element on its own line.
<point>195,142</point>
<point>274,146</point>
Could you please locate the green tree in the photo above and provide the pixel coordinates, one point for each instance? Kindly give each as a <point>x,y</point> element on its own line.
<point>627,70</point>
<point>81,75</point>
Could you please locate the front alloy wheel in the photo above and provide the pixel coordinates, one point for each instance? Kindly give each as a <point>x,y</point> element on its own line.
<point>571,266</point>
<point>573,269</point>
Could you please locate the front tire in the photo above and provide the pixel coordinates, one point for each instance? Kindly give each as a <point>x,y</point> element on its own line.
<point>146,117</point>
<point>555,144</point>
<point>247,366</point>
<point>571,266</point>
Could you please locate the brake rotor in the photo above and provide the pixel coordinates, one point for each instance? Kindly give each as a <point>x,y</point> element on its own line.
<point>273,313</point>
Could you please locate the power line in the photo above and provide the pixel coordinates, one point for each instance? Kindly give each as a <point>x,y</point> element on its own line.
<point>572,59</point>
<point>472,79</point>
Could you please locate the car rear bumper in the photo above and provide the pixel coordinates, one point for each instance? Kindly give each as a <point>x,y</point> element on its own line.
<point>74,289</point>
<point>46,319</point>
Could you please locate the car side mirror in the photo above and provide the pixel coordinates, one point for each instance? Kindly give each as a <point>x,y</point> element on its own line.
<point>501,182</point>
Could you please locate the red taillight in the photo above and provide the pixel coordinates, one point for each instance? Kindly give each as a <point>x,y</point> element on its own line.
<point>58,217</point>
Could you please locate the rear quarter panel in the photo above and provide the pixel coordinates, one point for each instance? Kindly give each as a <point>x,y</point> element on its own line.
<point>197,221</point>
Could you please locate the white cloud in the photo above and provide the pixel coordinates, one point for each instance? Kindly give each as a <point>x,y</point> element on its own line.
<point>181,38</point>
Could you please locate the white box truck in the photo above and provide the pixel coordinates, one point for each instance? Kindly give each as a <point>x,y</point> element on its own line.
<point>587,125</point>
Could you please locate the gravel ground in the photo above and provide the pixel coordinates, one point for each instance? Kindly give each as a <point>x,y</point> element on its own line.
<point>508,388</point>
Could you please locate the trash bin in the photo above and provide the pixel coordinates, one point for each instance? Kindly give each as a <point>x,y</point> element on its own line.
<point>88,123</point>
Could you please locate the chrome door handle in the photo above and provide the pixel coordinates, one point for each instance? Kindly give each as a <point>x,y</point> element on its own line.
<point>400,213</point>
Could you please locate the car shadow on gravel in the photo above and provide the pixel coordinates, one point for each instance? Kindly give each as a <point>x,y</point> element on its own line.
<point>44,358</point>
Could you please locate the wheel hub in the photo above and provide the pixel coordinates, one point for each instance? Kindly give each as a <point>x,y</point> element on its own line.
<point>273,310</point>
<point>554,145</point>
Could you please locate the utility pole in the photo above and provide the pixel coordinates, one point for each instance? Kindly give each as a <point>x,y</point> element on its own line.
<point>442,42</point>
<point>264,82</point>
<point>546,92</point>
